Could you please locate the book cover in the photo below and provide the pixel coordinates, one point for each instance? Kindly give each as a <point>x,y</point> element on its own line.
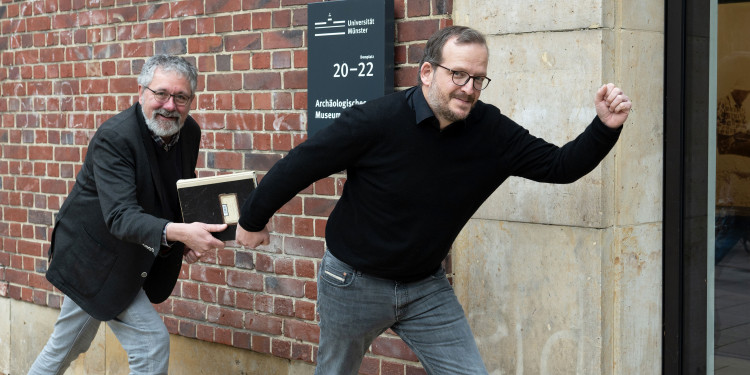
<point>215,200</point>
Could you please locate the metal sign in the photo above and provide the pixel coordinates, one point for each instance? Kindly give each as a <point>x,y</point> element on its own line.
<point>349,58</point>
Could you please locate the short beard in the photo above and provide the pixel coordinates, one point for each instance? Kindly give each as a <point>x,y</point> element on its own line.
<point>440,104</point>
<point>164,128</point>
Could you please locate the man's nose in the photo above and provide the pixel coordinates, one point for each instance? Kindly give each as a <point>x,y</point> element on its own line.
<point>468,87</point>
<point>169,104</point>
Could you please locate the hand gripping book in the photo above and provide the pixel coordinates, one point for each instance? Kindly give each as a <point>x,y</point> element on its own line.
<point>215,200</point>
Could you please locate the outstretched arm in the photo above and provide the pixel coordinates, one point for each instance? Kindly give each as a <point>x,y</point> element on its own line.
<point>612,105</point>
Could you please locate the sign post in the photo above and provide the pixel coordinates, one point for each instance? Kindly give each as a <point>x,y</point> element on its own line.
<point>350,56</point>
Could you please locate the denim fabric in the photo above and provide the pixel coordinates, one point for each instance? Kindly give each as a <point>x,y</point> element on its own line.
<point>356,308</point>
<point>139,329</point>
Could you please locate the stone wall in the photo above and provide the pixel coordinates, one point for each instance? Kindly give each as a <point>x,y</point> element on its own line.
<point>566,279</point>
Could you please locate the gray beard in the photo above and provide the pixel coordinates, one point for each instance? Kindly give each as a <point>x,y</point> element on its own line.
<point>161,129</point>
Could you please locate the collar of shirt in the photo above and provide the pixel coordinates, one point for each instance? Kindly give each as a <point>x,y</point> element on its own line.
<point>166,146</point>
<point>423,112</point>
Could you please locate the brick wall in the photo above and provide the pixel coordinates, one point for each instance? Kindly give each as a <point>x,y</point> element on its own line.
<point>68,65</point>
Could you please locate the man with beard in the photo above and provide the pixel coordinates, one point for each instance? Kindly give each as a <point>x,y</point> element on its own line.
<point>419,163</point>
<point>118,241</point>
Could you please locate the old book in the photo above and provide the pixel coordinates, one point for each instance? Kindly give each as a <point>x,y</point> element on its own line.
<point>215,200</point>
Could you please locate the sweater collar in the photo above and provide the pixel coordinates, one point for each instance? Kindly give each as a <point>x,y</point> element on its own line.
<point>423,113</point>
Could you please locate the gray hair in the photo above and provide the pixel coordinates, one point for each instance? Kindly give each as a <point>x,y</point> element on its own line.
<point>433,50</point>
<point>168,63</point>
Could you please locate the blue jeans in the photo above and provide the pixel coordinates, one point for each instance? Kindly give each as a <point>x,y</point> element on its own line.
<point>356,308</point>
<point>139,329</point>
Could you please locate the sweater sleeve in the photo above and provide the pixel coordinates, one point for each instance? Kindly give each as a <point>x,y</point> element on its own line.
<point>541,161</point>
<point>328,151</point>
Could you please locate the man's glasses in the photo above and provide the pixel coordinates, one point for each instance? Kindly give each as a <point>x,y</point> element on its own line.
<point>461,78</point>
<point>163,97</point>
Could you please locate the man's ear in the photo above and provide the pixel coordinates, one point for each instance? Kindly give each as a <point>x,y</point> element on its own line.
<point>425,73</point>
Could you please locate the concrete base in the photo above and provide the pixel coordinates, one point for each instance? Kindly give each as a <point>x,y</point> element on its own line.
<point>25,333</point>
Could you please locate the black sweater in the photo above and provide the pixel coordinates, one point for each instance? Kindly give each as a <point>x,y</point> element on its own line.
<point>410,187</point>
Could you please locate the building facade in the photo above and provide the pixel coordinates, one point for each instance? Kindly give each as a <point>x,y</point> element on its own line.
<point>607,275</point>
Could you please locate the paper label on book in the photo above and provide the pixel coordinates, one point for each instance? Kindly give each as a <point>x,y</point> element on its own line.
<point>230,208</point>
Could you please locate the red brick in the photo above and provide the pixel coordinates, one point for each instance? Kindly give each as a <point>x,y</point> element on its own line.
<point>319,206</point>
<point>302,352</point>
<point>311,290</point>
<point>190,309</point>
<point>299,59</point>
<point>261,20</point>
<point>187,8</point>
<point>190,290</point>
<point>293,207</point>
<point>263,324</point>
<point>262,101</point>
<point>261,81</point>
<point>414,370</point>
<point>305,268</point>
<point>261,60</point>
<point>223,6</point>
<point>207,274</point>
<point>390,368</point>
<point>123,85</point>
<point>264,263</point>
<point>281,348</point>
<point>15,152</point>
<point>283,306</point>
<point>409,31</point>
<point>304,310</point>
<point>393,348</point>
<point>243,42</point>
<point>369,366</point>
<point>187,329</point>
<point>206,44</point>
<point>261,344</point>
<point>282,101</point>
<point>303,331</point>
<point>299,17</point>
<point>205,333</point>
<point>441,7</point>
<point>296,79</point>
<point>138,49</point>
<point>283,39</point>
<point>416,8</point>
<point>38,23</point>
<point>207,293</point>
<point>285,286</point>
<point>223,336</point>
<point>300,100</point>
<point>245,280</point>
<point>226,317</point>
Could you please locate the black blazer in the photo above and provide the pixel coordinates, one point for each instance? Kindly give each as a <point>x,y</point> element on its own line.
<point>107,237</point>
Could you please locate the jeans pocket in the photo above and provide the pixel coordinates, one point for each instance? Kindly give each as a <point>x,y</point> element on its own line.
<point>336,272</point>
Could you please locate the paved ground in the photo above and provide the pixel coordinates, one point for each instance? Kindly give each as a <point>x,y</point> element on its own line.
<point>732,312</point>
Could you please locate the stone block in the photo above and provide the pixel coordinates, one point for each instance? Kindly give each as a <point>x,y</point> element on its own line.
<point>640,148</point>
<point>642,15</point>
<point>546,82</point>
<point>31,325</point>
<point>532,294</point>
<point>511,16</point>
<point>633,286</point>
<point>5,341</point>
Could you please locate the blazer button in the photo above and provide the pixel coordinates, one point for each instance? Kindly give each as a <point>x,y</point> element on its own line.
<point>143,274</point>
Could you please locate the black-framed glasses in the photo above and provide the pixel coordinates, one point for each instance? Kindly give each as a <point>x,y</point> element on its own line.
<point>461,78</point>
<point>163,97</point>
